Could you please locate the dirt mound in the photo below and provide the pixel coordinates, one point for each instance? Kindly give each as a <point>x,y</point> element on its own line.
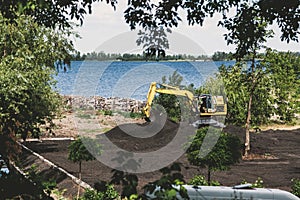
<point>142,137</point>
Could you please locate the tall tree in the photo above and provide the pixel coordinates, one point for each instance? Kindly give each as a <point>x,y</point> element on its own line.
<point>236,82</point>
<point>275,92</point>
<point>248,31</point>
<point>28,55</point>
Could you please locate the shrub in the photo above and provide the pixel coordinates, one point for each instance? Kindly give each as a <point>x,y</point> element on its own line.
<point>259,183</point>
<point>163,188</point>
<point>225,152</point>
<point>108,194</point>
<point>108,112</point>
<point>200,180</point>
<point>296,187</point>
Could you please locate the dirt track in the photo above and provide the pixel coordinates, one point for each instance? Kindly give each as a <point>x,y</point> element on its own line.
<point>276,173</point>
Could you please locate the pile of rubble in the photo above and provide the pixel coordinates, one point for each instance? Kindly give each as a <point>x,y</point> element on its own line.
<point>102,103</point>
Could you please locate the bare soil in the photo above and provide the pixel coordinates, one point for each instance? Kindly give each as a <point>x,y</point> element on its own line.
<point>275,155</point>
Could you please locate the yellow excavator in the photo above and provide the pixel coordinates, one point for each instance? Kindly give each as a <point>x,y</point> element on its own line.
<point>205,108</point>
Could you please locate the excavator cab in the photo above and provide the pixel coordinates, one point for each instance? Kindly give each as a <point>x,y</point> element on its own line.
<point>212,105</point>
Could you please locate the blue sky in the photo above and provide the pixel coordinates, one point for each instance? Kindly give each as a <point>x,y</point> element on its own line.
<point>106,30</point>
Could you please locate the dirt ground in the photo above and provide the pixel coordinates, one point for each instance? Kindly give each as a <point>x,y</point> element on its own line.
<point>278,161</point>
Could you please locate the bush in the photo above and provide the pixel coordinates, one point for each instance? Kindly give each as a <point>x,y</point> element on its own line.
<point>92,195</point>
<point>225,152</point>
<point>200,180</point>
<point>296,187</point>
<point>104,112</point>
<point>108,194</point>
<point>259,183</point>
<point>163,188</point>
<point>108,112</point>
<point>107,189</point>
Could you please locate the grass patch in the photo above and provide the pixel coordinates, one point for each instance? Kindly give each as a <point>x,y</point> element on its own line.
<point>84,116</point>
<point>130,115</point>
<point>104,112</point>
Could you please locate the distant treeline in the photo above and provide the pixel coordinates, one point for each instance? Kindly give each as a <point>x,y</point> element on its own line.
<point>220,56</point>
<point>101,56</point>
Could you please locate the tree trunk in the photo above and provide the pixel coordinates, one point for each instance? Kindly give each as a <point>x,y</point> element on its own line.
<point>80,170</point>
<point>208,176</point>
<point>79,176</point>
<point>247,137</point>
<point>248,120</point>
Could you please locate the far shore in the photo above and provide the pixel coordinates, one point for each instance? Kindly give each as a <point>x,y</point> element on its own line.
<point>179,60</point>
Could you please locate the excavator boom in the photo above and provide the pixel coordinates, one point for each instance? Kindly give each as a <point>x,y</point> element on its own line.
<point>167,90</point>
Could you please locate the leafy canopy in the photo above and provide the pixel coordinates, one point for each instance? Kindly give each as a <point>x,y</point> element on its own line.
<point>54,13</point>
<point>78,151</point>
<point>283,70</point>
<point>276,88</point>
<point>28,54</point>
<point>149,13</point>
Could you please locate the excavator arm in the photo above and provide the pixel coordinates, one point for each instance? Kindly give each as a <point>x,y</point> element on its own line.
<point>153,89</point>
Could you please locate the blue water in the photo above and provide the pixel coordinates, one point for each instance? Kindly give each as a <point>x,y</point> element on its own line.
<point>128,79</point>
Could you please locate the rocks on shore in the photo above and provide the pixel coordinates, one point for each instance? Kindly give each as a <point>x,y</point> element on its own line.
<point>102,103</point>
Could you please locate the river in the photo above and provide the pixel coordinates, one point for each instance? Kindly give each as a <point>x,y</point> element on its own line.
<point>128,79</point>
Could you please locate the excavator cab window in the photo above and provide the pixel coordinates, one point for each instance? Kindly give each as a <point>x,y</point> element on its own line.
<point>211,102</point>
<point>203,106</point>
<point>206,103</point>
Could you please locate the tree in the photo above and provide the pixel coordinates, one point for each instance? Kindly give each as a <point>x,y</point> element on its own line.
<point>154,41</point>
<point>248,31</point>
<point>275,90</point>
<point>150,13</point>
<point>166,13</point>
<point>226,152</point>
<point>283,69</point>
<point>171,103</point>
<point>236,82</point>
<point>78,152</point>
<point>29,53</point>
<point>52,14</point>
<point>220,56</point>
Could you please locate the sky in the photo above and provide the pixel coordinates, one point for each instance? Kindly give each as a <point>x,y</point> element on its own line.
<point>106,30</point>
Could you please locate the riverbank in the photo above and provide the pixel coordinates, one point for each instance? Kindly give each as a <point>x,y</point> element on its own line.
<point>102,103</point>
